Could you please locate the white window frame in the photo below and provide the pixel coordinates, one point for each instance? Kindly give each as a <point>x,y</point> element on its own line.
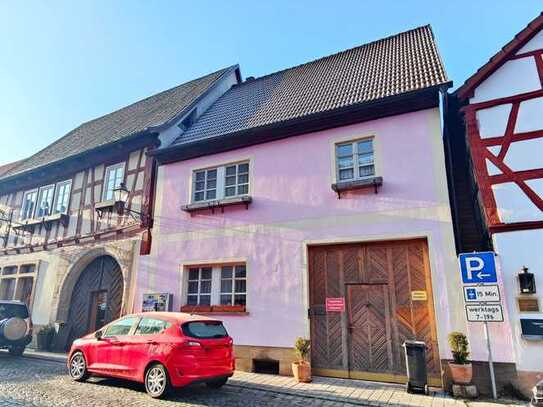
<point>107,172</point>
<point>199,281</point>
<point>59,185</point>
<point>207,179</point>
<point>220,182</point>
<point>51,188</point>
<point>232,293</point>
<point>354,157</point>
<point>30,215</point>
<point>216,282</point>
<point>18,276</point>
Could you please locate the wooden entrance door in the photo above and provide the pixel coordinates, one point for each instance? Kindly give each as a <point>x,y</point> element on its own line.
<point>98,311</point>
<point>388,294</point>
<point>370,344</point>
<point>96,298</point>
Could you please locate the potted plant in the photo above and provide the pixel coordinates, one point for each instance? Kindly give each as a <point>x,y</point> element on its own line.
<point>302,368</point>
<point>461,368</point>
<point>45,337</point>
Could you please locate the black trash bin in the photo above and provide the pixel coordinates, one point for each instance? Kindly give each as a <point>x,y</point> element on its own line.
<point>415,362</point>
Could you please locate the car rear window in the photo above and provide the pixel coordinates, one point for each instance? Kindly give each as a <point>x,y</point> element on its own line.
<point>13,310</point>
<point>204,329</point>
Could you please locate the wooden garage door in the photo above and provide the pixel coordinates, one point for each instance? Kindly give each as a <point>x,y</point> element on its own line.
<point>388,296</point>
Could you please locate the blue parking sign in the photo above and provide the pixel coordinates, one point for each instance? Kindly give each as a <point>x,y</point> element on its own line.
<point>478,267</point>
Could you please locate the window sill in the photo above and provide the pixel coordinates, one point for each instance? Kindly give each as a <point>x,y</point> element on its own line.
<point>218,204</point>
<point>215,309</point>
<point>373,182</point>
<point>30,224</point>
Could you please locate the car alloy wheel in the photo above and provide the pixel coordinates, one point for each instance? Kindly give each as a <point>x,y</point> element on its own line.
<point>156,381</point>
<point>78,367</point>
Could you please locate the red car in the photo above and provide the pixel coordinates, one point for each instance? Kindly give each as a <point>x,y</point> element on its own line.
<point>160,349</point>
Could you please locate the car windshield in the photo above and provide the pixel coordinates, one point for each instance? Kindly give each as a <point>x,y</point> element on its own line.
<point>13,310</point>
<point>204,329</point>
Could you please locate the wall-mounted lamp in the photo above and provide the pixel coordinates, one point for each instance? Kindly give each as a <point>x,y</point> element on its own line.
<point>526,281</point>
<point>120,196</point>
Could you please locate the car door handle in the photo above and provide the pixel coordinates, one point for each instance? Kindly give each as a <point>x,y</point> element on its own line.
<point>151,342</point>
<point>117,343</point>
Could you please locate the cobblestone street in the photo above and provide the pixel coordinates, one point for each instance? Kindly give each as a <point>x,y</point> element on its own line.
<point>32,382</point>
<point>29,381</point>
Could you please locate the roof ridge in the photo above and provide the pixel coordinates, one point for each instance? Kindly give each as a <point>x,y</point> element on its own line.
<point>341,52</point>
<point>404,62</point>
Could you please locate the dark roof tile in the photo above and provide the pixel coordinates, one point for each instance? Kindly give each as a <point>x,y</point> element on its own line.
<point>391,66</point>
<point>153,111</point>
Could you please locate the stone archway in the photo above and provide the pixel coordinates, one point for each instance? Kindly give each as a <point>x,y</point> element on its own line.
<point>93,297</point>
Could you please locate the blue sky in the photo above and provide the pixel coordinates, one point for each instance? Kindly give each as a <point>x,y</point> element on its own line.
<point>64,62</point>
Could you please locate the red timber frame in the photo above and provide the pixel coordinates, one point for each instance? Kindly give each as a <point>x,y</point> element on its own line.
<point>480,154</point>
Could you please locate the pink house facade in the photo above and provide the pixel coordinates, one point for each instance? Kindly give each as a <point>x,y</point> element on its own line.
<point>309,184</point>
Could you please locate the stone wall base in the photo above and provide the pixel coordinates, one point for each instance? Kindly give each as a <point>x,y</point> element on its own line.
<point>505,373</point>
<point>246,356</point>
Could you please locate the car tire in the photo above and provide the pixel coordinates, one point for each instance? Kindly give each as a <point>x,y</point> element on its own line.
<point>16,350</point>
<point>157,381</point>
<point>217,384</point>
<point>78,367</point>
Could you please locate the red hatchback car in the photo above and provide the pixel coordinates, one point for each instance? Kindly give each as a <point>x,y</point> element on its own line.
<point>160,349</point>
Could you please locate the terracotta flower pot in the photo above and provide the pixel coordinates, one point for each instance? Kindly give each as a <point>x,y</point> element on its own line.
<point>302,372</point>
<point>461,374</point>
<point>195,308</point>
<point>228,308</point>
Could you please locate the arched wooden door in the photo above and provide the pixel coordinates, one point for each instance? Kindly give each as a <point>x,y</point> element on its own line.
<point>96,298</point>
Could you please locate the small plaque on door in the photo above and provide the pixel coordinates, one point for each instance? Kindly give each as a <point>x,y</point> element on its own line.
<point>528,304</point>
<point>419,296</point>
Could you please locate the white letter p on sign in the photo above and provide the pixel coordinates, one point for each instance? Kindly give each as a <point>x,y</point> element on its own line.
<point>473,264</point>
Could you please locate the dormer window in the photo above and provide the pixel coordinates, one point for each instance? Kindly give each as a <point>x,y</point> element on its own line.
<point>188,120</point>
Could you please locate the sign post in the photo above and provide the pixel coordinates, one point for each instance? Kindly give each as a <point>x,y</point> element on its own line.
<point>490,362</point>
<point>482,297</point>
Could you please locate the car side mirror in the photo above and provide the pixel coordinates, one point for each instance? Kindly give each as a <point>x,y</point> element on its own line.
<point>98,335</point>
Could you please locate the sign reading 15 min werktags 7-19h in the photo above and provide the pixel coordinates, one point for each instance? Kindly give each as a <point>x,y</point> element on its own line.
<point>481,292</point>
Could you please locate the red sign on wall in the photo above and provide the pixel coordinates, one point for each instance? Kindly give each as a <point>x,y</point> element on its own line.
<point>335,304</point>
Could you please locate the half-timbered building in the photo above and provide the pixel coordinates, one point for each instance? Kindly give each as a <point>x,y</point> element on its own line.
<point>495,135</point>
<point>70,244</point>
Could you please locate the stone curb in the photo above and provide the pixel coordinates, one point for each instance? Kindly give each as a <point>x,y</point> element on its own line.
<point>57,358</point>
